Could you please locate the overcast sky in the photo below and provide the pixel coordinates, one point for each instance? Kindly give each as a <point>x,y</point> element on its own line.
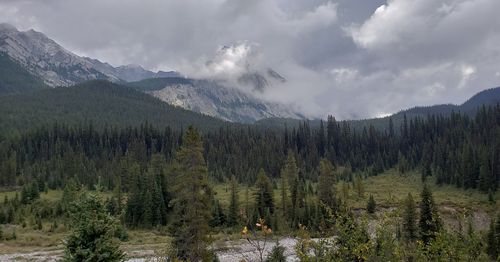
<point>349,58</point>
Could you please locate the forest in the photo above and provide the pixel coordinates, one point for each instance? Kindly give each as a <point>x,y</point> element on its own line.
<point>293,182</point>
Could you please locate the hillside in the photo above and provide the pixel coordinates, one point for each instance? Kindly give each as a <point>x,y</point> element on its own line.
<point>15,79</point>
<point>214,98</point>
<point>486,97</point>
<point>101,102</point>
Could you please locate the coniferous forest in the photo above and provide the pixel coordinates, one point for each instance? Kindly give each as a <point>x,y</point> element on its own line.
<point>279,182</point>
<point>250,131</point>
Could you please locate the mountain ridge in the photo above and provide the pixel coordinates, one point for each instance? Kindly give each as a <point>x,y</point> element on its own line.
<point>53,65</point>
<point>57,66</point>
<point>213,99</point>
<point>100,102</point>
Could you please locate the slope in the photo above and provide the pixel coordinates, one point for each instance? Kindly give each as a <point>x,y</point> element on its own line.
<point>214,98</point>
<point>100,102</point>
<point>15,79</point>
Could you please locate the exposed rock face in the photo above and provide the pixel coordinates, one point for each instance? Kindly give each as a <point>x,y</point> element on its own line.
<point>231,104</point>
<point>57,66</point>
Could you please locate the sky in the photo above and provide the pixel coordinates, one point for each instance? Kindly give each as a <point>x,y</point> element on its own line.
<point>349,58</point>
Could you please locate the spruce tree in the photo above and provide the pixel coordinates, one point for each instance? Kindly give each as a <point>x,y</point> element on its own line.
<point>191,202</point>
<point>234,205</point>
<point>429,222</point>
<point>289,174</point>
<point>371,205</point>
<point>264,195</point>
<point>326,184</point>
<point>92,233</point>
<point>492,242</point>
<point>409,219</point>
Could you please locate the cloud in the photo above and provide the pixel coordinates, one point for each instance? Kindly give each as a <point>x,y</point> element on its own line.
<point>350,58</point>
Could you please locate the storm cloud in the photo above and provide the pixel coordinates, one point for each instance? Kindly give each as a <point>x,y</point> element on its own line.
<point>348,58</point>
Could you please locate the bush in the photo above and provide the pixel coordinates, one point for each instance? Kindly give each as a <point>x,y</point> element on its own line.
<point>277,254</point>
<point>93,231</point>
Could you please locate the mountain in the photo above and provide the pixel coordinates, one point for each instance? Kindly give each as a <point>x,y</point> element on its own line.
<point>38,61</point>
<point>15,79</point>
<point>259,81</point>
<point>44,58</point>
<point>214,99</point>
<point>488,97</point>
<point>129,73</point>
<point>100,102</point>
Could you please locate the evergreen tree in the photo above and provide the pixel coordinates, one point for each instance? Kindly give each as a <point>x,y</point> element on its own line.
<point>429,222</point>
<point>92,235</point>
<point>234,205</point>
<point>218,216</point>
<point>409,219</point>
<point>326,184</point>
<point>264,195</point>
<point>191,202</point>
<point>371,205</point>
<point>289,174</point>
<point>492,244</point>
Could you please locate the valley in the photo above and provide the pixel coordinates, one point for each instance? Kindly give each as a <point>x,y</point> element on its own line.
<point>249,131</point>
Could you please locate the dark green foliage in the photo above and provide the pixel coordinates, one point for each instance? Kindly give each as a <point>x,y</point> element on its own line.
<point>326,184</point>
<point>146,206</point>
<point>288,174</point>
<point>30,193</point>
<point>92,232</point>
<point>104,103</point>
<point>218,217</point>
<point>451,149</point>
<point>277,254</point>
<point>371,205</point>
<point>15,79</point>
<point>264,196</point>
<point>492,244</point>
<point>234,204</point>
<point>353,242</point>
<point>191,202</point>
<point>410,231</point>
<point>429,223</point>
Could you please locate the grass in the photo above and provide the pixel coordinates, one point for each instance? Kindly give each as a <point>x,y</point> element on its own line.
<point>51,195</point>
<point>390,189</point>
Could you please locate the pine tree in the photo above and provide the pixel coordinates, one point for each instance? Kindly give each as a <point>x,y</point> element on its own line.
<point>191,202</point>
<point>234,205</point>
<point>371,205</point>
<point>289,174</point>
<point>358,185</point>
<point>92,236</point>
<point>218,217</point>
<point>264,195</point>
<point>326,184</point>
<point>409,219</point>
<point>429,222</point>
<point>492,245</point>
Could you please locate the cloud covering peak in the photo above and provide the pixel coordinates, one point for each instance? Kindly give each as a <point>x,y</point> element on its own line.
<point>349,58</point>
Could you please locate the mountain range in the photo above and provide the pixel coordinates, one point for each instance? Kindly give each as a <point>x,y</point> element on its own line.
<point>41,82</point>
<point>39,62</point>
